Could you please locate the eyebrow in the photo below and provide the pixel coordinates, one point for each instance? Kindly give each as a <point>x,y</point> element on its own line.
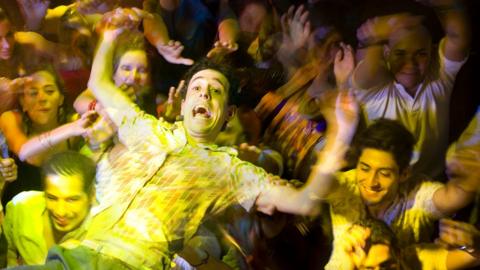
<point>215,79</point>
<point>381,168</point>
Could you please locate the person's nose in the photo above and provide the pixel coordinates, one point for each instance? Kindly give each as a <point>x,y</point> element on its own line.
<point>4,43</point>
<point>205,93</point>
<point>372,179</point>
<point>61,209</point>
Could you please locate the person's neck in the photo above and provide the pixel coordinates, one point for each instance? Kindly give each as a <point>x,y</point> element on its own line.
<point>38,129</point>
<point>199,141</point>
<point>52,236</point>
<point>378,210</point>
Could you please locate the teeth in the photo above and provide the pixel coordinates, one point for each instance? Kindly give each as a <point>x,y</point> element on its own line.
<point>201,110</point>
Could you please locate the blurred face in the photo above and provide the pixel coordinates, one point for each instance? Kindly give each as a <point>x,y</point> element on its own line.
<point>252,17</point>
<point>67,203</point>
<point>205,108</point>
<point>377,176</point>
<point>42,98</point>
<point>132,74</point>
<point>323,43</point>
<point>6,40</point>
<point>378,258</point>
<point>409,57</point>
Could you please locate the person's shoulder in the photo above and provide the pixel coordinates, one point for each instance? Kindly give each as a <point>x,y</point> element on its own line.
<point>26,200</point>
<point>10,118</point>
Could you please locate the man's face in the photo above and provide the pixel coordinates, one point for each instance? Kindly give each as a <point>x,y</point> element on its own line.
<point>42,98</point>
<point>378,258</point>
<point>205,108</point>
<point>132,74</point>
<point>6,40</point>
<point>67,203</point>
<point>409,57</point>
<point>378,176</point>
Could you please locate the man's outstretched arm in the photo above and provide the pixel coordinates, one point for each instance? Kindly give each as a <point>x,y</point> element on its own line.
<point>321,182</point>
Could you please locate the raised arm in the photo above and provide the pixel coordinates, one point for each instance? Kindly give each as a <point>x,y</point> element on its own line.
<point>464,173</point>
<point>321,182</point>
<point>100,82</point>
<point>373,35</point>
<point>457,30</point>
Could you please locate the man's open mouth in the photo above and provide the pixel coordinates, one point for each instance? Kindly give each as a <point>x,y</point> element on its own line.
<point>201,111</point>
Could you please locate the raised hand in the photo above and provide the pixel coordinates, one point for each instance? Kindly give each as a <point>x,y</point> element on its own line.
<point>33,11</point>
<point>174,102</point>
<point>380,29</point>
<point>121,19</point>
<point>295,27</point>
<point>343,65</point>
<point>172,52</point>
<point>222,48</point>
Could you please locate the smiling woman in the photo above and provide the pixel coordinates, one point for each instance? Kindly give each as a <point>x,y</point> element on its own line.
<point>40,108</point>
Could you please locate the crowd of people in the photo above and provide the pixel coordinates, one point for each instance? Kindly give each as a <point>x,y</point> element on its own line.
<point>239,134</point>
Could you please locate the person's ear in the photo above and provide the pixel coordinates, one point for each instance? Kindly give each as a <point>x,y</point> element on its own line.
<point>386,51</point>
<point>231,111</point>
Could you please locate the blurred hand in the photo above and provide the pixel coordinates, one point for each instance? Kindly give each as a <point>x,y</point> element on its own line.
<point>222,48</point>
<point>343,65</point>
<point>463,167</point>
<point>174,102</point>
<point>172,52</point>
<point>33,12</point>
<point>456,234</point>
<point>381,28</point>
<point>120,19</point>
<point>295,28</point>
<point>101,131</point>
<point>81,125</point>
<point>354,243</point>
<point>8,170</point>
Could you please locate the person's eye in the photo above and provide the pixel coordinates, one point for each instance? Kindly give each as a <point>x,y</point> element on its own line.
<point>50,91</point>
<point>196,88</point>
<point>364,169</point>
<point>142,70</point>
<point>126,68</point>
<point>72,200</point>
<point>385,174</point>
<point>32,93</point>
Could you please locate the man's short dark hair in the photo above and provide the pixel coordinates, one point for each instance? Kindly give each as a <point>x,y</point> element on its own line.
<point>71,163</point>
<point>389,136</point>
<point>215,64</point>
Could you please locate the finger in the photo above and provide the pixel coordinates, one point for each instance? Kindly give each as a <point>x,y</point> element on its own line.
<point>298,13</point>
<point>290,11</point>
<point>284,23</point>
<point>306,29</point>
<point>179,87</point>
<point>171,94</point>
<point>304,17</point>
<point>186,61</point>
<point>338,56</point>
